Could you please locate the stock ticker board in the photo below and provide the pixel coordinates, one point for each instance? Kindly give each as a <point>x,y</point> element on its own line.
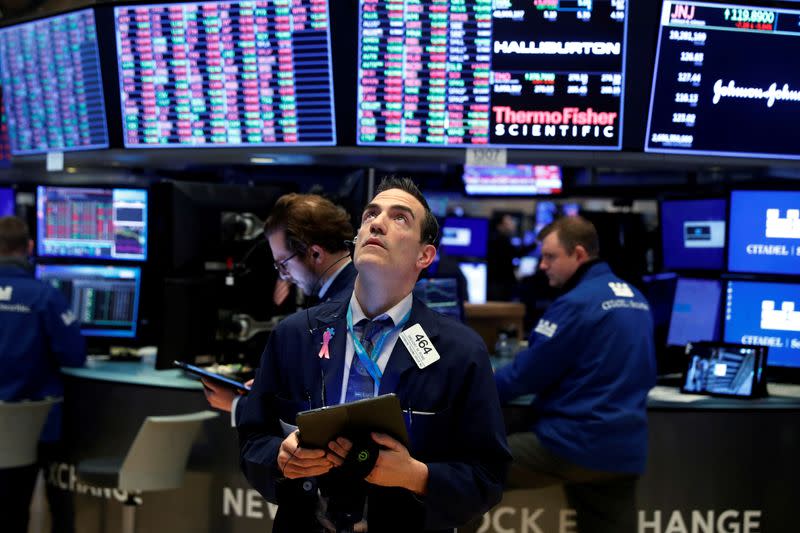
<point>226,74</point>
<point>52,86</point>
<point>513,73</point>
<point>726,82</point>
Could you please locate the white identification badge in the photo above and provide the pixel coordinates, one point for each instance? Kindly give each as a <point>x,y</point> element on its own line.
<point>419,346</point>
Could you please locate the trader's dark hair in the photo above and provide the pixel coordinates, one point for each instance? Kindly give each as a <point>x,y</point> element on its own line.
<point>574,231</point>
<point>14,236</point>
<point>309,219</point>
<point>429,228</point>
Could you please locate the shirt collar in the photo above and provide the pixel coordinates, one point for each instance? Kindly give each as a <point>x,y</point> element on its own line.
<point>396,313</point>
<point>329,281</point>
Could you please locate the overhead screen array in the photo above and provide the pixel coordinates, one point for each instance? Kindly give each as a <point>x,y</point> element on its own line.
<point>226,74</point>
<point>510,73</point>
<point>726,81</point>
<point>52,87</point>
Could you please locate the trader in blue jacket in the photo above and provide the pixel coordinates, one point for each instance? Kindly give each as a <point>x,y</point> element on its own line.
<point>38,336</point>
<point>453,470</point>
<point>590,363</point>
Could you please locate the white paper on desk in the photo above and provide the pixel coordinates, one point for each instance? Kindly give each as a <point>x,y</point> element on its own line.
<point>671,394</point>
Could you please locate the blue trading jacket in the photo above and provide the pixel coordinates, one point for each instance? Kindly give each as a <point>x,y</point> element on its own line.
<point>38,335</point>
<point>590,363</point>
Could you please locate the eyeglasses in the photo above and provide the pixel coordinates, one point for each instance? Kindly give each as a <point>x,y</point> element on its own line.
<point>280,266</point>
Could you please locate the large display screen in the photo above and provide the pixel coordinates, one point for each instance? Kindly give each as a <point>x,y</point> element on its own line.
<point>93,223</point>
<point>693,234</point>
<point>512,180</point>
<point>764,236</point>
<point>52,87</point>
<point>465,236</point>
<point>695,311</point>
<point>226,74</point>
<point>515,73</point>
<point>726,81</point>
<point>765,314</point>
<point>104,299</point>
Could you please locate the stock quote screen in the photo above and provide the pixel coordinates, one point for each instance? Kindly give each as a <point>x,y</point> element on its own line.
<point>514,73</point>
<point>52,87</point>
<point>226,74</point>
<point>726,81</point>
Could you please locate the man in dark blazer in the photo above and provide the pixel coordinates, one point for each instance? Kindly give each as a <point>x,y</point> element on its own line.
<point>454,468</point>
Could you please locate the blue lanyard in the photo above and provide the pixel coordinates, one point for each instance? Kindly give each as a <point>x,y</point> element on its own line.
<point>370,361</point>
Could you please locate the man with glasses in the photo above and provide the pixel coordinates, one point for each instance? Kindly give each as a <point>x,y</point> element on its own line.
<point>309,237</point>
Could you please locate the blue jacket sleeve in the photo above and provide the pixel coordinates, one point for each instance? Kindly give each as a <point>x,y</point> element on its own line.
<point>471,481</point>
<point>549,354</point>
<point>260,434</point>
<point>63,330</point>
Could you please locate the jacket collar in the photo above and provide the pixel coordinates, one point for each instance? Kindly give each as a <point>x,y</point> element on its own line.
<point>400,361</point>
<point>16,267</point>
<point>589,270</point>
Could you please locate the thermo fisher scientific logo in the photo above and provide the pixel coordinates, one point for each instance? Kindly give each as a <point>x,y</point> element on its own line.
<point>567,122</point>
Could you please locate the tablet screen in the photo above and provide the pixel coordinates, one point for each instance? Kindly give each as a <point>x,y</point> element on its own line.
<point>723,369</point>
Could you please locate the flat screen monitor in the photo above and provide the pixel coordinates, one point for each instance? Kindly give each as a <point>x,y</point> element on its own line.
<point>764,235</point>
<point>465,236</point>
<point>544,74</point>
<point>475,274</point>
<point>704,101</point>
<point>765,314</point>
<point>6,202</point>
<point>693,234</point>
<point>97,223</point>
<point>105,299</point>
<point>225,74</point>
<point>512,180</point>
<point>441,295</point>
<point>695,311</point>
<point>52,86</point>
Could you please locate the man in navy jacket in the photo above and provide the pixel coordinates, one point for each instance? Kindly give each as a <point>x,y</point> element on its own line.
<point>590,363</point>
<point>38,336</point>
<point>455,465</point>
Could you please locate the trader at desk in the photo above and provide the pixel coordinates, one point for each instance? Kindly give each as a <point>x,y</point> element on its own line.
<point>454,469</point>
<point>590,363</point>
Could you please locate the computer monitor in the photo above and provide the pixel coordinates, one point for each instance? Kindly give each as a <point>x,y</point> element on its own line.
<point>765,314</point>
<point>104,299</point>
<point>52,86</point>
<point>512,180</point>
<point>475,274</point>
<point>543,74</point>
<point>7,202</point>
<point>225,74</point>
<point>693,234</point>
<point>465,236</point>
<point>695,311</point>
<point>703,102</point>
<point>441,295</point>
<point>764,233</point>
<point>97,223</point>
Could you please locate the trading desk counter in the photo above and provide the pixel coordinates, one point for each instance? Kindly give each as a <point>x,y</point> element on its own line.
<point>733,464</point>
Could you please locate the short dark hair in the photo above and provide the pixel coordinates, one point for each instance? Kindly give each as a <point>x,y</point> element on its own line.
<point>14,236</point>
<point>574,231</point>
<point>429,228</point>
<point>308,219</point>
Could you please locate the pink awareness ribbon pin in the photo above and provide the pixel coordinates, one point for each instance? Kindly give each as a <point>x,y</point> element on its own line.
<point>324,352</point>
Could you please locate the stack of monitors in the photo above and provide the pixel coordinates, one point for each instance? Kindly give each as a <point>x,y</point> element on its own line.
<point>708,99</point>
<point>94,225</point>
<point>512,180</point>
<point>225,74</point>
<point>693,234</point>
<point>52,87</point>
<point>445,73</point>
<point>105,299</point>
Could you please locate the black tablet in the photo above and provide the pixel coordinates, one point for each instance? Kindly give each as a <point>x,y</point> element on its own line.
<point>382,414</point>
<point>722,369</point>
<point>216,378</point>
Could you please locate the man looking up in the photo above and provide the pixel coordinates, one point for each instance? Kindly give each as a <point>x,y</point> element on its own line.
<point>308,237</point>
<point>590,363</point>
<point>453,470</point>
